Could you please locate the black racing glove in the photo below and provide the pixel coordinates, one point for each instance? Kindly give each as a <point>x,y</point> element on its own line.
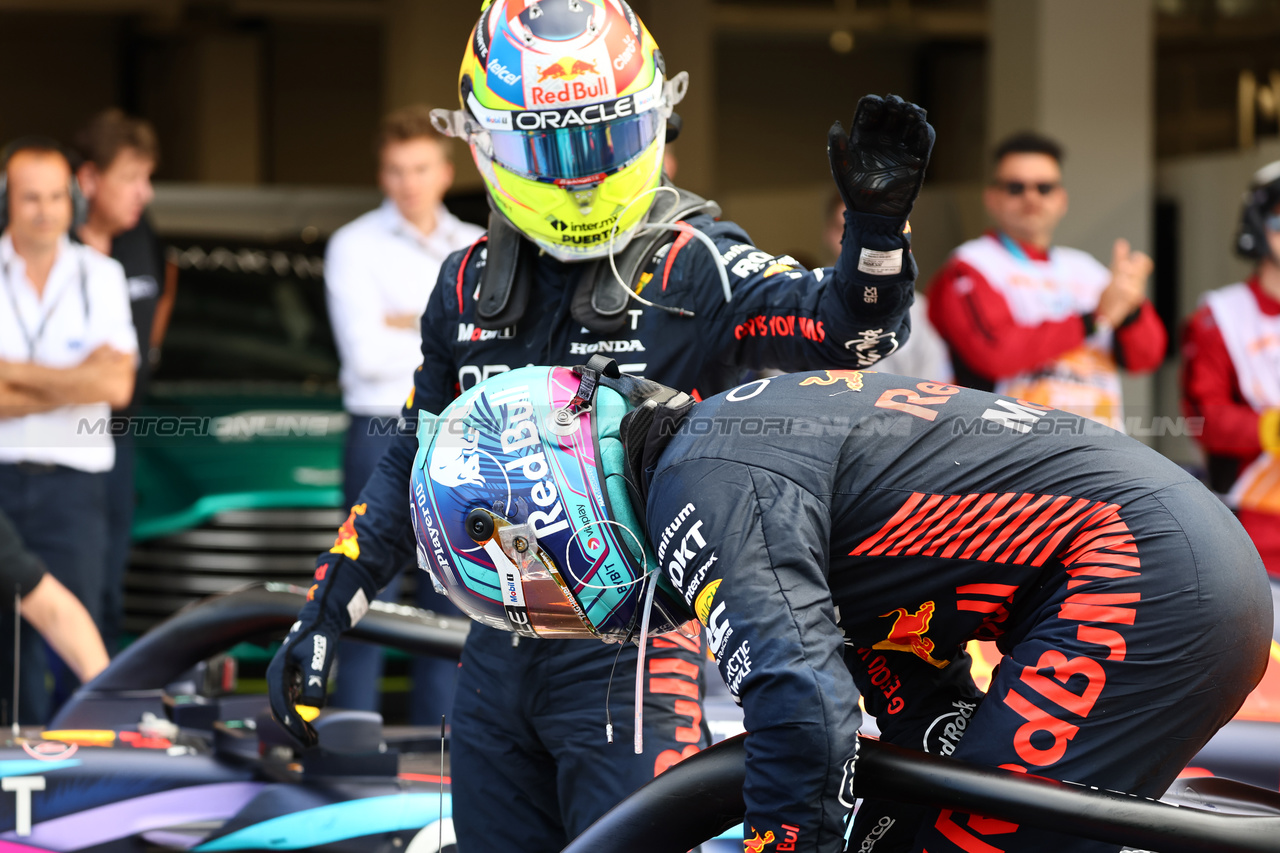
<point>298,675</point>
<point>879,165</point>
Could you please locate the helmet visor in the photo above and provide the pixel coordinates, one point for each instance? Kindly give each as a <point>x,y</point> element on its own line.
<point>581,151</point>
<point>535,597</point>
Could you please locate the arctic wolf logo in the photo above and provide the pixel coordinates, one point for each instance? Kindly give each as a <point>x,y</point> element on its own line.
<point>455,462</point>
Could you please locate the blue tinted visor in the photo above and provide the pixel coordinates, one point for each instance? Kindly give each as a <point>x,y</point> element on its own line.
<point>577,152</point>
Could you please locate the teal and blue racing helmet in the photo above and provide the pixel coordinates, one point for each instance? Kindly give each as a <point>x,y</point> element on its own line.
<point>521,510</point>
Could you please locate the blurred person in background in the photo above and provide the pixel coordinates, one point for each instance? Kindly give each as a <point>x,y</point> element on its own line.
<point>925,353</point>
<point>379,271</point>
<point>118,155</point>
<point>1040,322</point>
<point>47,606</point>
<point>68,354</point>
<point>1231,375</point>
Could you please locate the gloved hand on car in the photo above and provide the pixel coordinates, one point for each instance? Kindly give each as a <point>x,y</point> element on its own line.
<point>298,675</point>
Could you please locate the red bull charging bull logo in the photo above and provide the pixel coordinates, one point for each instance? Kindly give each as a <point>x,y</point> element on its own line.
<point>756,844</point>
<point>567,68</point>
<point>851,378</point>
<point>908,634</point>
<point>348,542</point>
<point>559,83</point>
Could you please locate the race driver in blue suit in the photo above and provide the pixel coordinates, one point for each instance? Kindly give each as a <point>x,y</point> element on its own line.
<point>842,534</point>
<point>566,106</point>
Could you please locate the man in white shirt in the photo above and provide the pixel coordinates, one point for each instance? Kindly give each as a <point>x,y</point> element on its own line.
<point>67,355</point>
<point>379,271</point>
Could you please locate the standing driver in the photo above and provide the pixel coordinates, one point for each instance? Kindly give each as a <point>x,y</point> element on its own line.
<point>565,106</point>
<point>840,534</point>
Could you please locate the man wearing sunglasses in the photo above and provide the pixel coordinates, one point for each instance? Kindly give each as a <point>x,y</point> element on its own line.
<point>1231,375</point>
<point>1042,322</point>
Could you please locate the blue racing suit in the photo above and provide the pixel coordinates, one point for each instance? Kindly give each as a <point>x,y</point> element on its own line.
<point>844,533</point>
<point>528,728</point>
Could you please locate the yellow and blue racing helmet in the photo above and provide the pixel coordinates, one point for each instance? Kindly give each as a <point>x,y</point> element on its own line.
<point>565,106</point>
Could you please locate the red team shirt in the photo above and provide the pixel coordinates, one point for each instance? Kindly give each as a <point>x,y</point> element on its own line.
<point>1230,436</point>
<point>990,343</point>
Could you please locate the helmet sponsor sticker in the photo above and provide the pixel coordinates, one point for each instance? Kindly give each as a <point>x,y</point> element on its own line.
<point>456,461</point>
<point>573,116</point>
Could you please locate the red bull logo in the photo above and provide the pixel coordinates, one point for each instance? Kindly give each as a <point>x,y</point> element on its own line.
<point>348,541</point>
<point>756,844</point>
<point>908,634</point>
<point>544,93</point>
<point>852,379</point>
<point>567,68</point>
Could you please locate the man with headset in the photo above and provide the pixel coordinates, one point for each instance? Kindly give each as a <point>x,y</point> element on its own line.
<point>1231,375</point>
<point>67,353</point>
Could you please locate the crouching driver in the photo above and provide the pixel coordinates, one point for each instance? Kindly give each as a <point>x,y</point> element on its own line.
<point>842,533</point>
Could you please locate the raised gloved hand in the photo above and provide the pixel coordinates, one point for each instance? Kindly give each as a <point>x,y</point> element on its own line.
<point>298,675</point>
<point>879,164</point>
